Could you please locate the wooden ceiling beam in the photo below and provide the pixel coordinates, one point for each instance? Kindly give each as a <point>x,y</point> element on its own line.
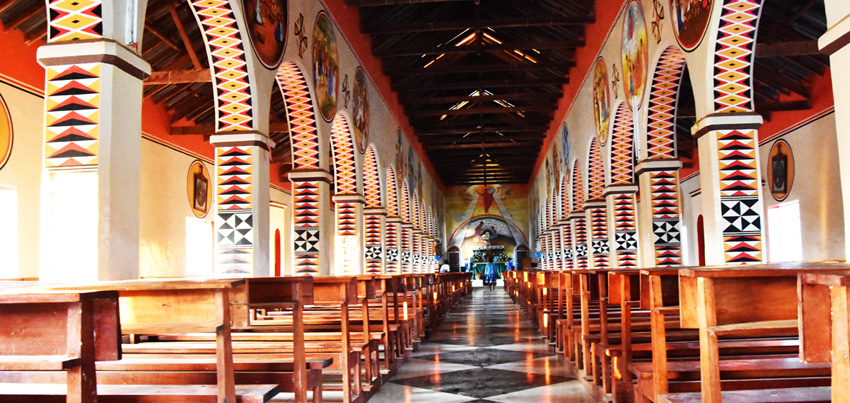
<point>485,147</point>
<point>166,40</point>
<point>495,47</point>
<point>445,141</point>
<point>786,49</point>
<point>405,89</point>
<point>208,130</point>
<point>179,77</point>
<point>37,7</point>
<point>481,110</point>
<point>473,123</point>
<point>443,133</point>
<point>377,3</point>
<point>184,36</point>
<point>405,71</point>
<point>473,24</point>
<point>514,96</point>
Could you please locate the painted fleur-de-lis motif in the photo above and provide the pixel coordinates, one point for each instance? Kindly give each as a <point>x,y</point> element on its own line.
<point>658,11</point>
<point>301,36</point>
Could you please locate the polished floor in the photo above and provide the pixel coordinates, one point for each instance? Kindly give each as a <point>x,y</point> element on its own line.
<point>486,350</point>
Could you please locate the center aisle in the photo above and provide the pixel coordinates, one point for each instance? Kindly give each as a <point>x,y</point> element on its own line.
<point>486,350</point>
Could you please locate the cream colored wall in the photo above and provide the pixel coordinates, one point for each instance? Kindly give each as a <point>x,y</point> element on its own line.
<point>690,209</point>
<point>280,218</point>
<point>816,185</point>
<point>23,171</point>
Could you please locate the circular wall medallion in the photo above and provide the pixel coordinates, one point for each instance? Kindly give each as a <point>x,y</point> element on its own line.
<point>6,133</point>
<point>361,110</point>
<point>266,21</point>
<point>325,65</point>
<point>690,21</point>
<point>634,54</point>
<point>601,100</point>
<point>780,170</point>
<point>199,189</point>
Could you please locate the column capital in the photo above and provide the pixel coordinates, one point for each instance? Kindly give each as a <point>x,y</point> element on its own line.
<point>575,215</point>
<point>835,38</point>
<point>406,225</point>
<point>393,219</point>
<point>620,189</point>
<point>590,204</point>
<point>309,175</point>
<point>727,121</point>
<point>94,51</point>
<point>660,164</point>
<point>241,138</point>
<point>375,211</point>
<point>349,198</point>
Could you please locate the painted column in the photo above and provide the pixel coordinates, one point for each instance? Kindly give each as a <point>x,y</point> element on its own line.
<point>596,214</point>
<point>579,227</point>
<point>659,178</point>
<point>242,203</point>
<point>392,238</point>
<point>416,250</point>
<point>375,223</point>
<point>348,245</point>
<point>406,240</point>
<point>567,242</point>
<point>731,188</point>
<point>310,189</point>
<point>836,43</point>
<point>92,147</point>
<point>623,224</point>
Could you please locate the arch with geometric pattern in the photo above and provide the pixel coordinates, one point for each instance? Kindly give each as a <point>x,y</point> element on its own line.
<point>373,215</point>
<point>393,224</point>
<point>595,208</point>
<point>577,217</point>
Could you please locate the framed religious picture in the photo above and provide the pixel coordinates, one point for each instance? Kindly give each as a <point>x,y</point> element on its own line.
<point>198,186</point>
<point>780,170</point>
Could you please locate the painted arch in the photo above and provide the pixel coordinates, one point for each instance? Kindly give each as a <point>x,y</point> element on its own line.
<point>622,147</point>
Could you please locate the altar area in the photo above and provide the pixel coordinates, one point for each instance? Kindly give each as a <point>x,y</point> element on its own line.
<point>484,254</point>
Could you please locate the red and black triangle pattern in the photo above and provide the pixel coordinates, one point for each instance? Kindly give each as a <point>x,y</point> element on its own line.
<point>625,230</point>
<point>404,203</point>
<point>580,237</point>
<point>392,263</point>
<point>599,237</point>
<point>415,250</point>
<point>72,20</point>
<point>664,194</point>
<point>306,217</point>
<point>740,201</point>
<point>373,243</point>
<point>565,199</point>
<point>302,120</point>
<point>567,237</point>
<point>72,117</point>
<point>392,194</point>
<point>404,250</point>
<point>346,219</point>
<point>235,179</point>
<point>736,37</point>
<point>661,135</point>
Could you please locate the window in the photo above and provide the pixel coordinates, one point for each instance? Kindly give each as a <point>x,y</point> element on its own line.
<point>199,247</point>
<point>784,232</point>
<point>9,231</point>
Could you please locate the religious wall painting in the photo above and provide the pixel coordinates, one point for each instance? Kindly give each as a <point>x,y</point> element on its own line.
<point>690,21</point>
<point>198,189</point>
<point>634,54</point>
<point>565,152</point>
<point>361,110</point>
<point>400,160</point>
<point>6,133</point>
<point>780,170</point>
<point>325,65</point>
<point>601,100</point>
<point>266,21</point>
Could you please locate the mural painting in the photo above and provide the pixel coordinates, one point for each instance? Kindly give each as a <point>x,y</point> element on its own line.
<point>325,65</point>
<point>601,100</point>
<point>780,170</point>
<point>690,21</point>
<point>361,111</point>
<point>634,54</point>
<point>6,133</point>
<point>198,189</point>
<point>266,20</point>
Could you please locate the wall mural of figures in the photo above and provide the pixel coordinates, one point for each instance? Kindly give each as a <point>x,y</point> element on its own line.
<point>6,133</point>
<point>325,65</point>
<point>266,21</point>
<point>690,21</point>
<point>601,100</point>
<point>634,54</point>
<point>360,110</point>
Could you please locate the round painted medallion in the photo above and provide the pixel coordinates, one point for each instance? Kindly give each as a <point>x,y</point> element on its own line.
<point>325,65</point>
<point>266,21</point>
<point>690,21</point>
<point>780,170</point>
<point>199,189</point>
<point>6,133</point>
<point>634,54</point>
<point>361,110</point>
<point>601,100</point>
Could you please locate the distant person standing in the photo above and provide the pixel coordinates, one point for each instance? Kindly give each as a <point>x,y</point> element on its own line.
<point>490,274</point>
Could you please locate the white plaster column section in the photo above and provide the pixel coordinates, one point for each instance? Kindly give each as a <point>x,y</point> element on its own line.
<point>242,202</point>
<point>90,181</point>
<point>621,202</point>
<point>376,222</point>
<point>596,217</point>
<point>579,227</point>
<point>731,188</point>
<point>311,251</point>
<point>348,244</point>
<point>661,213</point>
<point>836,43</point>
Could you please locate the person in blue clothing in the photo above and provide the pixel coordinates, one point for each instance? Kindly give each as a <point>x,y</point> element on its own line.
<point>490,274</point>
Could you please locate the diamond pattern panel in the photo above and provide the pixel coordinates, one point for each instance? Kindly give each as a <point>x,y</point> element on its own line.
<point>734,54</point>
<point>392,193</point>
<point>661,133</point>
<point>596,180</point>
<point>224,44</point>
<point>371,180</point>
<point>302,119</point>
<point>72,20</point>
<point>72,118</point>
<point>344,165</point>
<point>404,203</point>
<point>622,148</point>
<point>577,197</point>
